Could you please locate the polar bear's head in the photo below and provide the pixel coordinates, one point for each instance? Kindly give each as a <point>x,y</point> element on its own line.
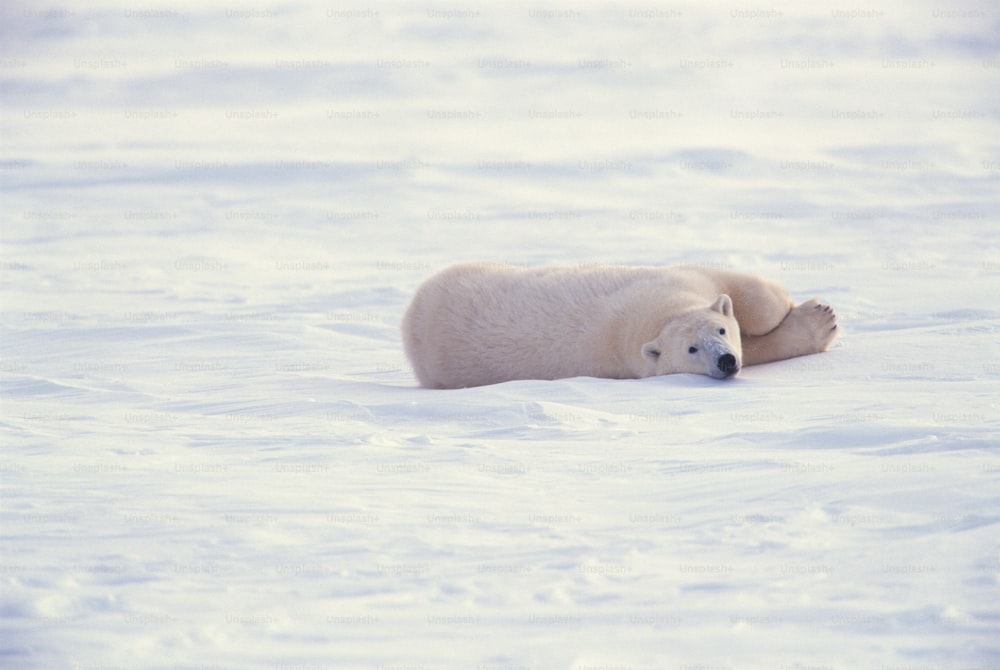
<point>702,341</point>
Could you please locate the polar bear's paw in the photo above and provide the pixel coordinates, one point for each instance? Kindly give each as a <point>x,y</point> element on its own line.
<point>816,324</point>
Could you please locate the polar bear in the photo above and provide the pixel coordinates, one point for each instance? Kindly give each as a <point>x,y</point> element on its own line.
<point>483,323</point>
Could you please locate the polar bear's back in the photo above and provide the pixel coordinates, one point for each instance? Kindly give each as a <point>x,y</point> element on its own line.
<point>481,323</point>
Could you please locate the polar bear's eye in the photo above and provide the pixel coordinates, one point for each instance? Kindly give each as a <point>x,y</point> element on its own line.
<point>722,331</point>
<point>692,350</point>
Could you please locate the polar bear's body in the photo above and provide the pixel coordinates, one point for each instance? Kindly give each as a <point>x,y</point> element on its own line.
<point>483,323</point>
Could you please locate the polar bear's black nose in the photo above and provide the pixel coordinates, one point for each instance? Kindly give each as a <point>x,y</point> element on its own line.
<point>727,363</point>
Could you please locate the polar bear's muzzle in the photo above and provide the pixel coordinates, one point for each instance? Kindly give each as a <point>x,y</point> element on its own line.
<point>727,365</point>
<point>723,360</point>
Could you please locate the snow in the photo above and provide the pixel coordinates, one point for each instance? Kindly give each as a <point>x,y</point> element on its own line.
<point>215,454</point>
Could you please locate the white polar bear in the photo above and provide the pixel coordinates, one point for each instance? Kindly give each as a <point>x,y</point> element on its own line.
<point>484,323</point>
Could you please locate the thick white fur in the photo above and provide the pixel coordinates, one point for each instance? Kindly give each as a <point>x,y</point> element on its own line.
<point>483,323</point>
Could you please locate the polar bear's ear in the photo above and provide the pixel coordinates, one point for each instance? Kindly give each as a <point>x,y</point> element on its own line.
<point>651,350</point>
<point>724,305</point>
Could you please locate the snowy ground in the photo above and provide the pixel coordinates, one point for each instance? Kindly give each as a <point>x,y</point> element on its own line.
<point>215,456</point>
